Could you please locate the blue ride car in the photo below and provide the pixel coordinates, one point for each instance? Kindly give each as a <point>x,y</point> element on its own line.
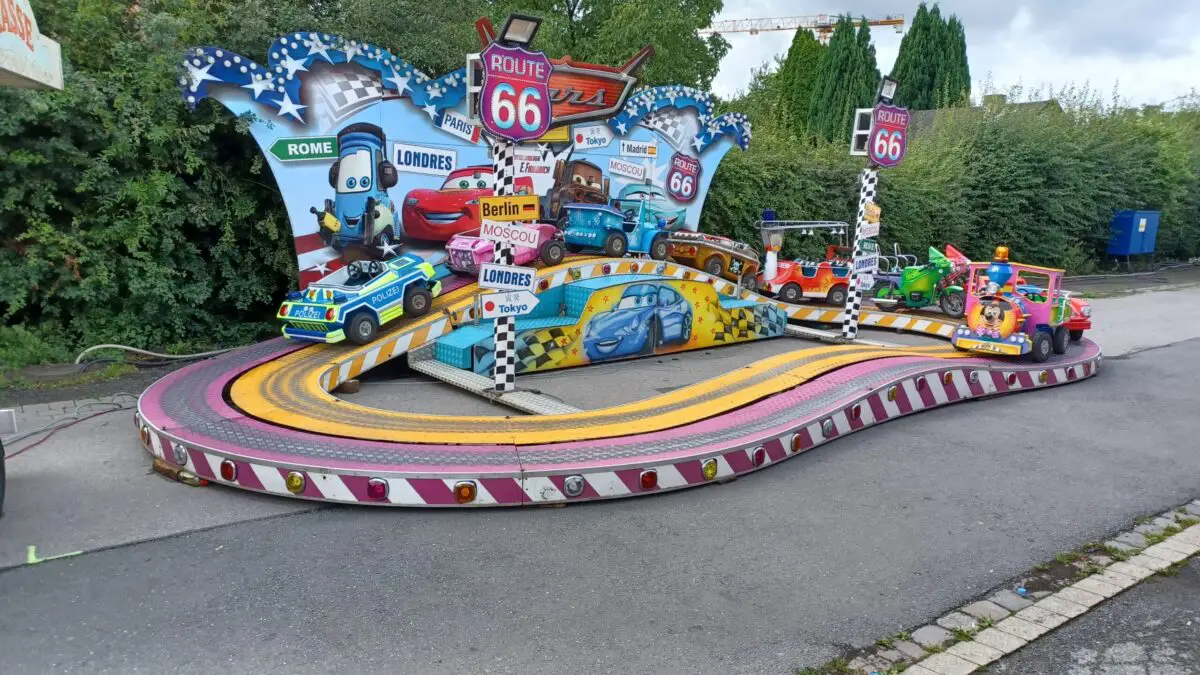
<point>353,302</point>
<point>647,316</point>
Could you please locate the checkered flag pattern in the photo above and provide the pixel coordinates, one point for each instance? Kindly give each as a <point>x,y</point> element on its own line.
<point>542,348</point>
<point>504,163</point>
<point>342,92</point>
<point>675,125</point>
<point>866,195</point>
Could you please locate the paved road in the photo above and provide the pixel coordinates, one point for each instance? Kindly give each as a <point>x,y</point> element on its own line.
<point>773,572</point>
<point>1153,629</point>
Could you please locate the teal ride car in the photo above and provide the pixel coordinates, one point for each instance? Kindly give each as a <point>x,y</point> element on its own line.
<point>353,302</point>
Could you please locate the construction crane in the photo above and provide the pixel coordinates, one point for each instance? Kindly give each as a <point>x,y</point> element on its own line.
<point>820,24</point>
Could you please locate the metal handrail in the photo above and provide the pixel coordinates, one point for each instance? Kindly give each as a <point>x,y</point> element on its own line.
<point>798,224</point>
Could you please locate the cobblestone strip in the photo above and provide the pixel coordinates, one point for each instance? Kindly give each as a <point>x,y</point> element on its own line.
<point>986,630</point>
<point>35,416</point>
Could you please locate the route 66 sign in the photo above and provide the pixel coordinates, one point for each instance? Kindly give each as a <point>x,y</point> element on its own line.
<point>889,136</point>
<point>683,179</point>
<point>515,101</point>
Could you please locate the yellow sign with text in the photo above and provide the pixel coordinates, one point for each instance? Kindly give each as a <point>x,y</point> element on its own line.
<point>509,208</point>
<point>873,212</point>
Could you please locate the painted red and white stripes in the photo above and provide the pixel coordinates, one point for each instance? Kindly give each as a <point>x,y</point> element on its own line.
<point>940,384</point>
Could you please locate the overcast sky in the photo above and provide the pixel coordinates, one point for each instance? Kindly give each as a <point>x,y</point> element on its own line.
<point>1150,47</point>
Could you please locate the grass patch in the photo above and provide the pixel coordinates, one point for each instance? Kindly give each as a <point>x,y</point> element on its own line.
<point>986,622</point>
<point>834,667</point>
<point>1116,553</point>
<point>903,635</point>
<point>1172,570</point>
<point>111,371</point>
<point>1069,557</point>
<point>1153,538</point>
<point>963,634</point>
<point>885,643</point>
<point>935,649</point>
<point>1143,520</point>
<point>1088,570</point>
<point>1185,523</point>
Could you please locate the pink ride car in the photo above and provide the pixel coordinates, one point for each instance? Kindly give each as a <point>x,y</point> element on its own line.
<point>467,251</point>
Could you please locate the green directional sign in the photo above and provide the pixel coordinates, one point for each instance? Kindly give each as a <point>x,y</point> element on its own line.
<point>305,148</point>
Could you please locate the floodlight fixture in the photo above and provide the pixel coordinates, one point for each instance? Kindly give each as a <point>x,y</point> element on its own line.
<point>519,29</point>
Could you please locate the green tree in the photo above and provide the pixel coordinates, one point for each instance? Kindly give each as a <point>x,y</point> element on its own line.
<point>846,80</point>
<point>931,67</point>
<point>797,81</point>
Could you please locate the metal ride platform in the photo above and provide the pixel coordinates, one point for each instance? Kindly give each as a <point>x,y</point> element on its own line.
<point>262,418</point>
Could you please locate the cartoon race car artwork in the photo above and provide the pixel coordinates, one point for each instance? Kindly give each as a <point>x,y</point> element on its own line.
<point>576,182</point>
<point>361,211</point>
<point>353,302</point>
<point>437,215</point>
<point>657,202</point>
<point>646,317</point>
<point>807,279</point>
<point>467,251</point>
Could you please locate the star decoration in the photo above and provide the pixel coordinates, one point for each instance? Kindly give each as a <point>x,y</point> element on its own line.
<point>401,83</point>
<point>697,144</point>
<point>388,249</point>
<point>430,110</point>
<point>259,86</point>
<point>292,65</point>
<point>351,51</point>
<point>289,107</point>
<point>621,127</point>
<point>199,75</point>
<point>320,268</point>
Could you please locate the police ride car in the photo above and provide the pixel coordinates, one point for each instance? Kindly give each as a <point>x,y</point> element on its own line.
<point>353,302</point>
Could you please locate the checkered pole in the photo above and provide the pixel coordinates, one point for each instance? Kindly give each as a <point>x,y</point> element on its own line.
<point>866,195</point>
<point>505,338</point>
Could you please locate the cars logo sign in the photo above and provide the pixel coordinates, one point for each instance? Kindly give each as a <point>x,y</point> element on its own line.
<point>889,136</point>
<point>683,178</point>
<point>515,101</point>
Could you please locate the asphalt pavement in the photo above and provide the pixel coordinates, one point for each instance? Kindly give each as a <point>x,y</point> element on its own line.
<point>780,570</point>
<point>1152,629</point>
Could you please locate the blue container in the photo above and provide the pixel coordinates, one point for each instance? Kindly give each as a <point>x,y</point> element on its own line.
<point>1134,232</point>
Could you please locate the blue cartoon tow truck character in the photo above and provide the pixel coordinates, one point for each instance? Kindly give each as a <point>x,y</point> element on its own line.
<point>647,316</point>
<point>597,226</point>
<point>353,302</point>
<point>361,211</point>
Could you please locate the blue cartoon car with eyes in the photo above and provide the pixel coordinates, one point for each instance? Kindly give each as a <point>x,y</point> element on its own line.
<point>353,302</point>
<point>361,211</point>
<point>648,316</point>
<point>657,203</point>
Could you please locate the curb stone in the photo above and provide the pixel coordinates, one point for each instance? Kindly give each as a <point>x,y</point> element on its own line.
<point>1006,621</point>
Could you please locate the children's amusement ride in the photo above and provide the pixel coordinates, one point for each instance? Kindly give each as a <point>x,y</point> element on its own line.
<point>489,302</point>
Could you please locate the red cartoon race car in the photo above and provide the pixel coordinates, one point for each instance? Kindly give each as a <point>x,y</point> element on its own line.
<point>437,215</point>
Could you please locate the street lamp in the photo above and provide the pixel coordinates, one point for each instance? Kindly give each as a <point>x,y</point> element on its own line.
<point>519,30</point>
<point>887,90</point>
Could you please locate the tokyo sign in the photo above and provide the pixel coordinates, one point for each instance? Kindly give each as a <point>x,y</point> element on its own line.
<point>515,101</point>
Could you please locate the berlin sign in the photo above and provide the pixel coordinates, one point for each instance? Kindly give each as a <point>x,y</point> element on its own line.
<point>515,102</point>
<point>889,136</point>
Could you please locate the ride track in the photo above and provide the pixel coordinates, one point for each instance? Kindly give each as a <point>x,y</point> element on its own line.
<point>266,413</point>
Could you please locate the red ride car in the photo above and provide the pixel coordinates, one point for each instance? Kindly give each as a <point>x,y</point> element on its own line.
<point>1081,316</point>
<point>437,215</point>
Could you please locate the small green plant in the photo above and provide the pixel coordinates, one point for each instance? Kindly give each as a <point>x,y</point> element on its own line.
<point>1187,522</point>
<point>1116,553</point>
<point>986,622</point>
<point>896,669</point>
<point>903,635</point>
<point>935,649</point>
<point>834,667</point>
<point>1068,557</point>
<point>885,643</point>
<point>1172,569</point>
<point>963,634</point>
<point>1153,538</point>
<point>1142,520</point>
<point>1088,570</point>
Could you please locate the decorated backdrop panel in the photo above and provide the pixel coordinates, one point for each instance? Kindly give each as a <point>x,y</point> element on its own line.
<point>409,163</point>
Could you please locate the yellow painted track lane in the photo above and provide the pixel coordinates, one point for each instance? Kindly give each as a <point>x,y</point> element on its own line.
<point>269,392</point>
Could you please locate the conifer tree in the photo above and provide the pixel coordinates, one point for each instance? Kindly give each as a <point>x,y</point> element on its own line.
<point>797,79</point>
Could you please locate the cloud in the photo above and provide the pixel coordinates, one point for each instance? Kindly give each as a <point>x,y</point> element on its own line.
<point>1149,47</point>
